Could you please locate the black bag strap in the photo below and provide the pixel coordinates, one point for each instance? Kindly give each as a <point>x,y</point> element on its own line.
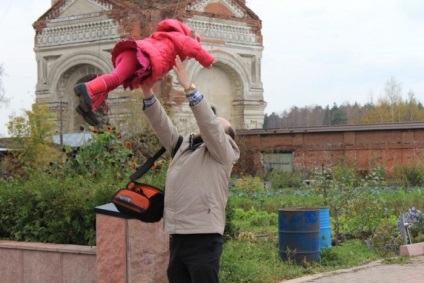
<point>177,146</point>
<point>151,160</point>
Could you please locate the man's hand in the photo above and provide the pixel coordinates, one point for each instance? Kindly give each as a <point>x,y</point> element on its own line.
<point>147,87</point>
<point>181,73</point>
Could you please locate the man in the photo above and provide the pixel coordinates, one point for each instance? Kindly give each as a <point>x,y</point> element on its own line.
<point>196,184</point>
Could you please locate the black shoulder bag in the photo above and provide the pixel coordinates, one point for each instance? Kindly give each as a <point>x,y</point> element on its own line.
<point>142,201</point>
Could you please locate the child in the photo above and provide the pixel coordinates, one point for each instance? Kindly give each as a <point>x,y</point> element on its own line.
<point>137,61</point>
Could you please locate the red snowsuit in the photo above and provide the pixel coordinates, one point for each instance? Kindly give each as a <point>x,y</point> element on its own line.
<point>170,39</point>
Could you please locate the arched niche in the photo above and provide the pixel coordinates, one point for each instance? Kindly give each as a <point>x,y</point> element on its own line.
<point>226,81</point>
<point>66,72</point>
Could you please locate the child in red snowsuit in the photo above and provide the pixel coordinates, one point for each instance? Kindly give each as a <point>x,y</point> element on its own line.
<point>137,61</point>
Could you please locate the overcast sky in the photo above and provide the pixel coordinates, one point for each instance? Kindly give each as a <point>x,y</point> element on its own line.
<point>316,52</point>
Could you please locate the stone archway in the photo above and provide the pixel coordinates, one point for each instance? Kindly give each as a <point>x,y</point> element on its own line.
<point>227,82</point>
<point>63,74</point>
<point>68,119</point>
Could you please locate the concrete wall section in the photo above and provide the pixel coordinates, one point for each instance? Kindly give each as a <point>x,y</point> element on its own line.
<point>22,262</point>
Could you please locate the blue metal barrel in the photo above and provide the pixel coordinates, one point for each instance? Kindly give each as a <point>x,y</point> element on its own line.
<point>299,231</point>
<point>325,228</point>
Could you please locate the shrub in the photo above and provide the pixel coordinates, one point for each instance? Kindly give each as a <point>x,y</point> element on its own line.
<point>352,206</point>
<point>251,185</point>
<point>47,209</point>
<point>282,179</point>
<point>385,240</point>
<point>56,204</point>
<point>231,212</point>
<point>414,219</point>
<point>31,134</point>
<point>410,175</point>
<point>106,154</point>
<point>254,221</point>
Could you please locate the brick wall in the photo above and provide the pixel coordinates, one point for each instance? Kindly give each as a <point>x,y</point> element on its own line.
<point>399,144</point>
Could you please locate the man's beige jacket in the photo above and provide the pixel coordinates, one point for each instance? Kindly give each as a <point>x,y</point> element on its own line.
<point>197,180</point>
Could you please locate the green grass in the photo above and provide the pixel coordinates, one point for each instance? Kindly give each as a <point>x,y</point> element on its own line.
<point>258,261</point>
<point>348,254</point>
<point>397,260</point>
<point>252,255</point>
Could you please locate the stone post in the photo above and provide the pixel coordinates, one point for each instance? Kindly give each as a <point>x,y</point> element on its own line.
<point>128,250</point>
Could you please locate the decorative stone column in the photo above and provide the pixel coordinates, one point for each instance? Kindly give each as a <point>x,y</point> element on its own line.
<point>129,250</point>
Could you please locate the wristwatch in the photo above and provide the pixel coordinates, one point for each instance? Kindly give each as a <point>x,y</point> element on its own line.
<point>190,89</point>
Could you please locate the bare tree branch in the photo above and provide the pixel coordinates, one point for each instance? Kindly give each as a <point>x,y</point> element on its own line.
<point>4,101</point>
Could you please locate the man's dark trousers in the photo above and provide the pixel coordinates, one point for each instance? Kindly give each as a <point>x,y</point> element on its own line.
<point>194,258</point>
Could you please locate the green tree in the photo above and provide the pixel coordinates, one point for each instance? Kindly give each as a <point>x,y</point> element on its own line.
<point>347,194</point>
<point>272,121</point>
<point>392,107</point>
<point>106,154</point>
<point>32,133</point>
<point>327,116</point>
<point>338,115</point>
<point>266,121</point>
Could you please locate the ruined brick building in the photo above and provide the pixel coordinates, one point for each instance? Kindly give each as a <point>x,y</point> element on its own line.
<point>74,39</point>
<point>310,148</point>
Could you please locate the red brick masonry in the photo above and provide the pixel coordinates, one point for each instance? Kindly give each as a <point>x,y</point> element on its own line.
<point>387,145</point>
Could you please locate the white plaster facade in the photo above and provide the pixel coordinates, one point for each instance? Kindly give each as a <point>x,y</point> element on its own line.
<point>76,45</point>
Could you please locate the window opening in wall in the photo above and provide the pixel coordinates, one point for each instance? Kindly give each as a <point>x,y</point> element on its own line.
<point>281,161</point>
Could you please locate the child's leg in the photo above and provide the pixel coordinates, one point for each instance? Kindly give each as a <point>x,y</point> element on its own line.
<point>126,66</point>
<point>94,93</point>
